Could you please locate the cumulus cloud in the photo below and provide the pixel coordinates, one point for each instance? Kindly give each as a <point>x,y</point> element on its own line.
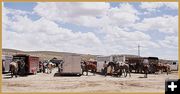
<point>169,42</point>
<point>120,27</point>
<point>153,6</point>
<point>165,24</point>
<point>44,34</point>
<point>88,14</point>
<point>77,13</point>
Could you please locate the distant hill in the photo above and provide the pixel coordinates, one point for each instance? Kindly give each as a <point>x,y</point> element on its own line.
<point>46,55</point>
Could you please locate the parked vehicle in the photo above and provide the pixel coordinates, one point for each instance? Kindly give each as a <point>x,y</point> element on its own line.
<point>71,65</point>
<point>31,62</point>
<point>6,60</point>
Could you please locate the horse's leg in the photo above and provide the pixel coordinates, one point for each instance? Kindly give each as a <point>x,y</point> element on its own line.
<point>125,71</point>
<point>16,73</point>
<point>167,70</point>
<point>11,73</point>
<point>161,70</point>
<point>46,70</point>
<point>145,73</point>
<point>82,72</point>
<point>93,72</point>
<point>86,72</point>
<point>129,73</point>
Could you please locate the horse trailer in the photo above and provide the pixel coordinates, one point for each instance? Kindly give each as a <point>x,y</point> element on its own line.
<point>71,65</point>
<point>111,58</point>
<point>174,66</point>
<point>31,63</point>
<point>6,60</point>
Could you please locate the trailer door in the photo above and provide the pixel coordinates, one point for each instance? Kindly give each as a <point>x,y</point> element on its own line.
<point>33,64</point>
<point>72,64</point>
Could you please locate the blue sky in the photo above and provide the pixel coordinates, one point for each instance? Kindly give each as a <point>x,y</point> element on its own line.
<point>118,26</point>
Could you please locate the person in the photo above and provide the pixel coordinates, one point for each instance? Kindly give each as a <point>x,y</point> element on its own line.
<point>3,66</point>
<point>22,67</point>
<point>60,67</point>
<point>105,68</point>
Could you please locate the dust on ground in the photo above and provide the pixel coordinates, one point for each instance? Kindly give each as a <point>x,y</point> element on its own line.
<point>42,82</point>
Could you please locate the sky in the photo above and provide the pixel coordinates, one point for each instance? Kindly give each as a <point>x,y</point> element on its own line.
<point>100,28</point>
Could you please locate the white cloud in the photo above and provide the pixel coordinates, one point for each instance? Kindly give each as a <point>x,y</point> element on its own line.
<point>88,14</point>
<point>44,34</point>
<point>164,24</point>
<point>21,32</point>
<point>118,36</point>
<point>123,15</point>
<point>169,42</point>
<point>77,13</point>
<point>153,6</point>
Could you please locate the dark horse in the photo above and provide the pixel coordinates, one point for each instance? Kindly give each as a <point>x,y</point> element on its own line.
<point>88,65</point>
<point>112,65</point>
<point>145,67</point>
<point>119,68</point>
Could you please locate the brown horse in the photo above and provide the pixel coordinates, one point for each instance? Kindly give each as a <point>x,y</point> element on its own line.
<point>86,66</point>
<point>146,69</point>
<point>163,68</point>
<point>166,68</point>
<point>13,68</point>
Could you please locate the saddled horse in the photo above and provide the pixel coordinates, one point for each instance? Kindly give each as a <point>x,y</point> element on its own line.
<point>49,67</point>
<point>120,68</point>
<point>125,68</point>
<point>112,66</point>
<point>13,68</point>
<point>88,65</point>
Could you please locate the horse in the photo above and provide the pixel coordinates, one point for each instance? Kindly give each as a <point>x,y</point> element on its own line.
<point>117,70</point>
<point>13,68</point>
<point>112,65</point>
<point>138,67</point>
<point>86,66</point>
<point>166,68</point>
<point>60,66</point>
<point>50,67</point>
<point>124,67</point>
<point>120,68</point>
<point>145,67</point>
<point>132,66</point>
<point>160,68</point>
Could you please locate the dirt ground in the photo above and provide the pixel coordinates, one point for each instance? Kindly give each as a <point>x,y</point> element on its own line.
<point>48,83</point>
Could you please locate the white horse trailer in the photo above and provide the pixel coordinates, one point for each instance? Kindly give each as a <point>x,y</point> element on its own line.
<point>6,60</point>
<point>102,59</point>
<point>71,65</point>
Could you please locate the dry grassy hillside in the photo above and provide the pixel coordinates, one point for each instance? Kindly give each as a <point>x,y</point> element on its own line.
<point>46,55</point>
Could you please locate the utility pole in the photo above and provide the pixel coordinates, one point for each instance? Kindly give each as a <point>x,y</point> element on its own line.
<point>139,49</point>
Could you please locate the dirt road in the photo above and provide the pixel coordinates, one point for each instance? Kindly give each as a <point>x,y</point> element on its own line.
<point>48,83</point>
